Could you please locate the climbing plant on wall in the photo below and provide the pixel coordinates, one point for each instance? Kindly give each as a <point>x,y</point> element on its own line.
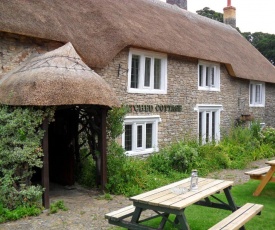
<point>21,137</point>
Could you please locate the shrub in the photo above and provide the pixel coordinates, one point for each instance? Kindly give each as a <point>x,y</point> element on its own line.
<point>18,212</point>
<point>20,152</point>
<point>87,171</point>
<point>268,136</point>
<point>183,157</point>
<point>56,206</point>
<point>160,162</point>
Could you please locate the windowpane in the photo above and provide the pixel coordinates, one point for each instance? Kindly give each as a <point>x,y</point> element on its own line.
<point>157,72</point>
<point>258,94</point>
<point>149,135</point>
<point>135,71</point>
<point>128,137</point>
<point>200,127</point>
<point>139,136</point>
<point>207,127</point>
<point>209,76</point>
<point>251,94</point>
<point>213,126</point>
<point>207,80</point>
<point>200,75</point>
<point>147,72</point>
<point>212,76</point>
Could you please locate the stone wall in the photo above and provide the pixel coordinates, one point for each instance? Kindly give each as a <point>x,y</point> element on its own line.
<point>15,49</point>
<point>183,90</point>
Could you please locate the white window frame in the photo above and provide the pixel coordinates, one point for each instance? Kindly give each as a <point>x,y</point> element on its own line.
<point>209,108</point>
<point>252,96</point>
<point>141,86</point>
<point>137,121</point>
<point>210,87</point>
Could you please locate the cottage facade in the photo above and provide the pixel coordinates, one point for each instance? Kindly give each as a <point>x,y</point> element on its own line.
<point>181,75</point>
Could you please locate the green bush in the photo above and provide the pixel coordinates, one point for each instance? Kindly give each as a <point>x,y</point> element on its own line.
<point>268,136</point>
<point>18,213</point>
<point>56,206</point>
<point>86,175</point>
<point>20,152</point>
<point>160,162</point>
<point>212,158</point>
<point>183,157</point>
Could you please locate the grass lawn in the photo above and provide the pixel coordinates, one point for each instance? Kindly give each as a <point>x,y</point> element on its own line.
<point>201,218</point>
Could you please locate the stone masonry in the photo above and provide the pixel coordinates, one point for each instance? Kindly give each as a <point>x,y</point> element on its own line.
<point>182,89</point>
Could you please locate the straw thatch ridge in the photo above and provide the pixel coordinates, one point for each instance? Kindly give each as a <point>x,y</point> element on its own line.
<point>58,77</point>
<point>100,29</point>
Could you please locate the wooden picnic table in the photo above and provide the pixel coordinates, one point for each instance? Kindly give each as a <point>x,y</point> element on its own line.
<point>174,199</point>
<point>265,175</point>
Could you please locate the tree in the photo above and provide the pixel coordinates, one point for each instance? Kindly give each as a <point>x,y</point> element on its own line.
<point>207,12</point>
<point>263,42</point>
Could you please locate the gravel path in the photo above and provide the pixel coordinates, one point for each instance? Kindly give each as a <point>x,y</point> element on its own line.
<point>87,208</point>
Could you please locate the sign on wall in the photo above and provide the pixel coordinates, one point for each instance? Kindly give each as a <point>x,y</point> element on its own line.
<point>155,108</point>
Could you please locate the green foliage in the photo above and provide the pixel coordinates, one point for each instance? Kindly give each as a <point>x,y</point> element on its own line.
<point>56,206</point>
<point>211,158</point>
<point>20,151</point>
<point>115,121</point>
<point>263,42</point>
<point>268,136</point>
<point>18,213</point>
<point>178,156</point>
<point>207,12</point>
<point>126,175</point>
<point>88,165</point>
<point>160,162</point>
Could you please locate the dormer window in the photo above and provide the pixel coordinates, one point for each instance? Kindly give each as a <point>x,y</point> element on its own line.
<point>148,72</point>
<point>208,76</point>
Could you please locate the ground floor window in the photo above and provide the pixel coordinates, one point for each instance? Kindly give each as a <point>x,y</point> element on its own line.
<point>208,123</point>
<point>140,134</point>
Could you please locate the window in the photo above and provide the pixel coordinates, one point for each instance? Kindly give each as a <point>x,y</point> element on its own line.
<point>148,72</point>
<point>140,134</point>
<point>209,76</point>
<point>208,123</point>
<point>256,94</point>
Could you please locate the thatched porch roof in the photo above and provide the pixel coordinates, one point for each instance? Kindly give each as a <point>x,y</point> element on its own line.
<point>58,77</point>
<point>100,29</point>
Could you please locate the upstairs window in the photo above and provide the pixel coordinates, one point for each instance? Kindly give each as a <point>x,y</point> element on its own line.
<point>140,134</point>
<point>148,72</point>
<point>256,94</point>
<point>208,76</point>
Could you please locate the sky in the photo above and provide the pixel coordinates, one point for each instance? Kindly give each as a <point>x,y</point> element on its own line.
<point>251,15</point>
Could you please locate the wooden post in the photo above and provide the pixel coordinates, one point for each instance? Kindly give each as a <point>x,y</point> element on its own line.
<point>103,149</point>
<point>45,168</point>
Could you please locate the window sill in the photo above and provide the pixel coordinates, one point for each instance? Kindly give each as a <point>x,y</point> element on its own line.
<point>209,89</point>
<point>147,91</point>
<point>141,152</point>
<point>255,105</point>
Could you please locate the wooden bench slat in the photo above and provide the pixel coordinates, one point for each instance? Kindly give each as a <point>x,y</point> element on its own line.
<point>120,213</point>
<point>259,171</point>
<point>238,218</point>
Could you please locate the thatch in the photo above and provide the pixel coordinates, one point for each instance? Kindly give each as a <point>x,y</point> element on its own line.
<point>100,29</point>
<point>58,77</point>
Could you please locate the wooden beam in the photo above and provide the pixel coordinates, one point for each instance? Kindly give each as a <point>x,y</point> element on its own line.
<point>103,149</point>
<point>45,168</point>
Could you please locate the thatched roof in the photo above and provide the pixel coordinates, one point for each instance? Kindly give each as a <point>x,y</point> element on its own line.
<point>100,29</point>
<point>58,77</point>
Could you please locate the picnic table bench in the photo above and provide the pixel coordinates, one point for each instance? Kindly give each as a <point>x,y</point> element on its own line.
<point>175,198</point>
<point>264,174</point>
